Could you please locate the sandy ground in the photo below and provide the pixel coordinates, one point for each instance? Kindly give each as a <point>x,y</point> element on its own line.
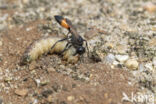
<point>86,82</point>
<point>117,29</point>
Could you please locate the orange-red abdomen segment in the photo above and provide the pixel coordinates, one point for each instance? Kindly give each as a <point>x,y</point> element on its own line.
<point>64,24</point>
<point>62,21</point>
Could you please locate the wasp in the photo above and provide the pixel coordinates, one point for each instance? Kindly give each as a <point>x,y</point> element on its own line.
<point>74,39</point>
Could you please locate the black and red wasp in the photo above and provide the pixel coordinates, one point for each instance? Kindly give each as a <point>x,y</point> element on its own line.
<point>74,39</point>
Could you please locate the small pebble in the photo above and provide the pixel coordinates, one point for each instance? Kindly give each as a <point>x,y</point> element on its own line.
<point>33,72</point>
<point>62,66</point>
<point>106,95</point>
<point>0,70</point>
<point>29,29</point>
<point>45,82</point>
<point>2,26</point>
<point>152,42</point>
<point>42,9</point>
<point>32,65</point>
<point>25,1</point>
<point>149,66</point>
<point>37,82</point>
<point>109,45</point>
<point>96,56</point>
<point>50,99</point>
<point>70,98</point>
<point>34,101</point>
<point>141,67</point>
<point>51,69</point>
<point>132,64</point>
<point>110,58</point>
<point>121,49</point>
<point>115,63</point>
<point>153,28</point>
<point>122,58</point>
<point>21,92</point>
<point>150,7</point>
<point>154,61</point>
<point>8,79</point>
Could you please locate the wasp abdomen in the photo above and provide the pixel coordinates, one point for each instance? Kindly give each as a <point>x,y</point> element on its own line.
<point>62,21</point>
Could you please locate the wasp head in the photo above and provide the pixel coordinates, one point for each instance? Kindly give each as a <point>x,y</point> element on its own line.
<point>80,50</point>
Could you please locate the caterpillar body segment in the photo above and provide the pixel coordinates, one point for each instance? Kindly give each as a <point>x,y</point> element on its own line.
<point>43,46</point>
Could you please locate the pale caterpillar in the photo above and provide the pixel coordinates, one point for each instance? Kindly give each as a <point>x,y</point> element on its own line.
<point>43,46</point>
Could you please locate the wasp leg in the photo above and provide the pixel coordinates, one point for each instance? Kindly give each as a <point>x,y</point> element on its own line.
<point>59,41</point>
<point>68,33</point>
<point>68,45</point>
<point>87,48</point>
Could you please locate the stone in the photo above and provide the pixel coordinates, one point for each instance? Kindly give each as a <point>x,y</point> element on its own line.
<point>96,56</point>
<point>106,95</point>
<point>51,69</point>
<point>121,49</point>
<point>50,99</point>
<point>25,1</point>
<point>62,66</point>
<point>154,62</point>
<point>150,7</point>
<point>2,26</point>
<point>21,92</point>
<point>8,79</point>
<point>1,70</point>
<point>34,101</point>
<point>153,28</point>
<point>29,29</point>
<point>149,66</point>
<point>32,66</point>
<point>110,58</point>
<point>141,67</point>
<point>44,82</point>
<point>115,63</point>
<point>152,42</point>
<point>38,82</point>
<point>131,64</point>
<point>109,45</point>
<point>70,98</point>
<point>122,58</point>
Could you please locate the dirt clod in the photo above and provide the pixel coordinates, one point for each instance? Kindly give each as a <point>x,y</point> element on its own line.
<point>21,92</point>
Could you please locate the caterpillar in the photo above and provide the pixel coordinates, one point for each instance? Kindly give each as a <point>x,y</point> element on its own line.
<point>43,46</point>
